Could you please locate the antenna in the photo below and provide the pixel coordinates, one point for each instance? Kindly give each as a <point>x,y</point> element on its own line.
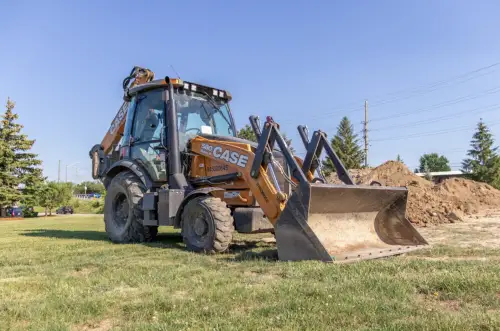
<point>171,66</point>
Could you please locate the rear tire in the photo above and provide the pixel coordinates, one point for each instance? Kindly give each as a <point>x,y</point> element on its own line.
<point>207,225</point>
<point>123,212</point>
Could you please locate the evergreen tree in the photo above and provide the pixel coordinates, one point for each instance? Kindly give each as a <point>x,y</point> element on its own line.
<point>345,144</point>
<point>399,159</point>
<point>17,164</point>
<point>483,163</point>
<point>288,143</point>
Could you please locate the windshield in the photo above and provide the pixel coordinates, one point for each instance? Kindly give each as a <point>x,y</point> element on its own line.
<point>197,113</point>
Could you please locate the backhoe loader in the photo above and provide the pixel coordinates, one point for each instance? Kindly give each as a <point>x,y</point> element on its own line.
<point>171,157</point>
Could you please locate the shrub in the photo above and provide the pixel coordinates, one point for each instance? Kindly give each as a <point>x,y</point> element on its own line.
<point>29,212</point>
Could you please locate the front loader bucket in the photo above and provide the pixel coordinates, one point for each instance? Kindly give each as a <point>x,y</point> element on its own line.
<point>345,223</point>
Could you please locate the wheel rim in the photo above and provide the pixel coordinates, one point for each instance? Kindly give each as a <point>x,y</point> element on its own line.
<point>200,227</point>
<point>120,210</point>
<point>199,230</point>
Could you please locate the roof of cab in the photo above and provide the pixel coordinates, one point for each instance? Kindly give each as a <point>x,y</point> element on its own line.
<point>157,83</point>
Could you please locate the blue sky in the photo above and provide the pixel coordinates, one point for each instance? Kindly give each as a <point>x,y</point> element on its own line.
<point>303,62</point>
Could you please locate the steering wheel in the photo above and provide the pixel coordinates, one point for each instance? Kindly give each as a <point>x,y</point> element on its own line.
<point>190,129</point>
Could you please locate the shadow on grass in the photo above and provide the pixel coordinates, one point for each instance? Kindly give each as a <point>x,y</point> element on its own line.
<point>244,251</point>
<point>67,234</point>
<point>242,248</point>
<point>162,240</point>
<point>270,255</point>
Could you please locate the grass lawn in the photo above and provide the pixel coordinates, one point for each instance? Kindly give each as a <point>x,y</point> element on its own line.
<point>61,273</point>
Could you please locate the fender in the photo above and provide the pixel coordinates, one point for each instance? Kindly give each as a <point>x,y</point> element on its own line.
<point>133,166</point>
<point>191,195</point>
<point>99,162</point>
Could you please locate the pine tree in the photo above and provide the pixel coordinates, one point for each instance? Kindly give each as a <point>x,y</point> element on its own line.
<point>483,163</point>
<point>345,144</point>
<point>17,164</point>
<point>288,143</point>
<point>399,159</point>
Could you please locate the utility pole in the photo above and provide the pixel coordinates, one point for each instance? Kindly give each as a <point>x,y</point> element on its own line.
<point>365,133</point>
<point>59,172</point>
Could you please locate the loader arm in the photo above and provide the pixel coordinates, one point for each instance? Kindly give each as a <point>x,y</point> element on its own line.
<point>241,156</point>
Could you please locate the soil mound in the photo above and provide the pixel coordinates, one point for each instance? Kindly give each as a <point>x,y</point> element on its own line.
<point>429,203</point>
<point>356,175</point>
<point>469,195</point>
<point>394,173</point>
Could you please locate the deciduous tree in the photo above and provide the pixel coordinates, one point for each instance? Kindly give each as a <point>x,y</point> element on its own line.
<point>433,162</point>
<point>247,133</point>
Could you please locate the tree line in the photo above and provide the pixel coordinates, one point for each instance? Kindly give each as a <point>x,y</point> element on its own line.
<point>482,162</point>
<point>21,175</point>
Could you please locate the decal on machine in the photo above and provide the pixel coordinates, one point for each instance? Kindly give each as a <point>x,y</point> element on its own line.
<point>118,118</point>
<point>225,154</point>
<point>206,148</point>
<point>220,167</point>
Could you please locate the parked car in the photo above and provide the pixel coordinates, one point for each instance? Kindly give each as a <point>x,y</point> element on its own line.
<point>65,210</point>
<point>15,212</point>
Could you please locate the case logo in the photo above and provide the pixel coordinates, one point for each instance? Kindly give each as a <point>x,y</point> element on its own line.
<point>225,154</point>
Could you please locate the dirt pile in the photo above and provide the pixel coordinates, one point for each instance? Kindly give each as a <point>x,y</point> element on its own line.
<point>356,175</point>
<point>424,206</point>
<point>469,195</point>
<point>394,173</point>
<point>429,203</point>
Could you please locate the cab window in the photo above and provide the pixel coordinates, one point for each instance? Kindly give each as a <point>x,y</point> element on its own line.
<point>148,119</point>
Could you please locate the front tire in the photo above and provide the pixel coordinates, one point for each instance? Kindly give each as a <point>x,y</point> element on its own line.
<point>207,225</point>
<point>123,212</point>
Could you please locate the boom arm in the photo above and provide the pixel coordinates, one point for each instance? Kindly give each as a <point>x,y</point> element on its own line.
<point>138,76</point>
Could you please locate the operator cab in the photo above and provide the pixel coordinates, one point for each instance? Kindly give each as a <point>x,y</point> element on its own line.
<point>200,110</point>
<point>199,113</point>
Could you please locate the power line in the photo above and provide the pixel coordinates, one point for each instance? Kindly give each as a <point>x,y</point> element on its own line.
<point>441,105</point>
<point>425,134</point>
<point>383,102</point>
<point>436,106</point>
<point>434,86</point>
<point>440,118</point>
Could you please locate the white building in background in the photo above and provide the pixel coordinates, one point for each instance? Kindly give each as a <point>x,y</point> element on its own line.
<point>439,176</point>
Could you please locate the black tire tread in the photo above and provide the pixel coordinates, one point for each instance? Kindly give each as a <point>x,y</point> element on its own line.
<point>223,220</point>
<point>136,232</point>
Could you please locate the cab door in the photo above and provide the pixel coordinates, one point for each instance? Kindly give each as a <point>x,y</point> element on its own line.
<point>148,130</point>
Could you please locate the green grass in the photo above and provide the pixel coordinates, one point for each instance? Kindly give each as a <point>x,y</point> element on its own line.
<point>61,273</point>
